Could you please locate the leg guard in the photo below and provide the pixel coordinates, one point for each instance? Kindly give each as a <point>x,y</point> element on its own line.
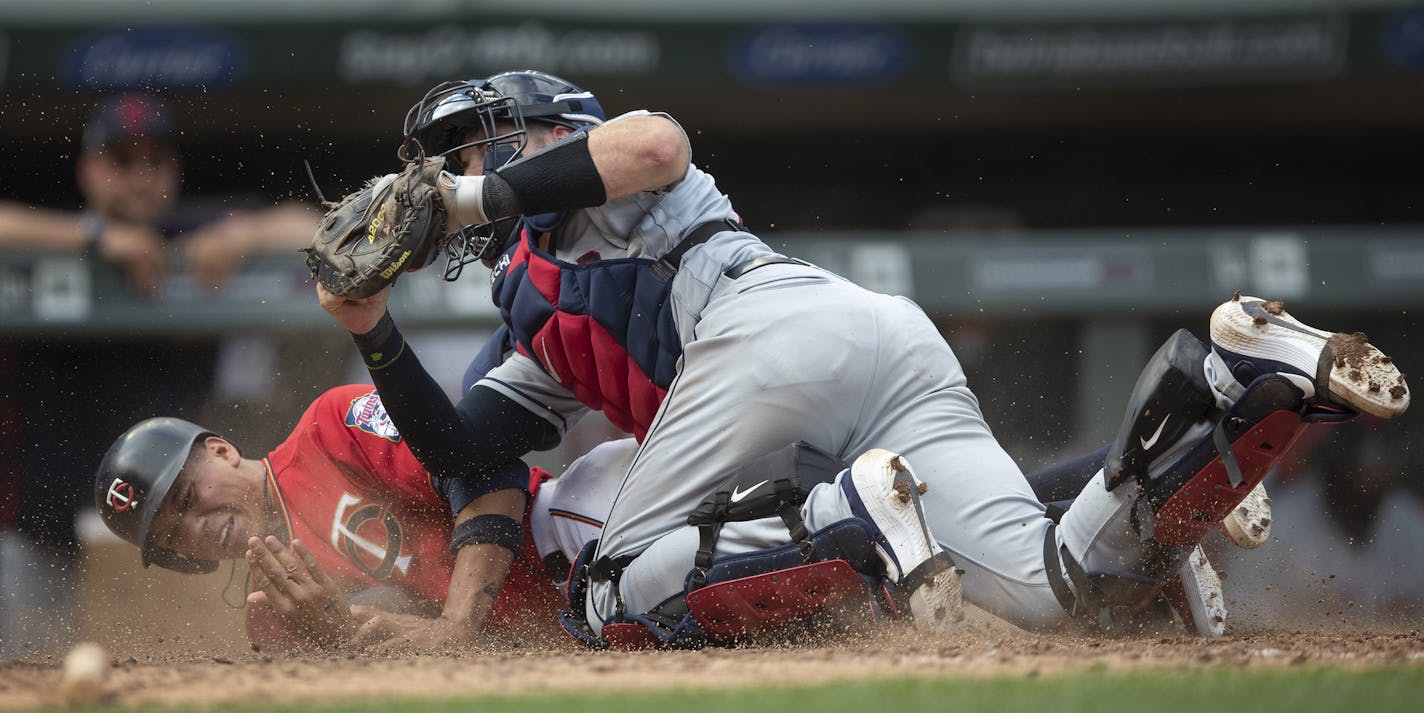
<point>754,592</point>
<point>666,626</point>
<point>1176,469</point>
<point>574,620</point>
<point>1171,396</point>
<point>774,484</point>
<point>1183,504</point>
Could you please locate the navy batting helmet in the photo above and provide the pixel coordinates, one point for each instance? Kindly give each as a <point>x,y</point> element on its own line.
<point>135,477</point>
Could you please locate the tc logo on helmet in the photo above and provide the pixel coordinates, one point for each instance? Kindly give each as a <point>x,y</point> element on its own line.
<point>121,496</point>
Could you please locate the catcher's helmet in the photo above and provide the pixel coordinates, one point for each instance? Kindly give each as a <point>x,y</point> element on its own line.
<point>501,107</point>
<point>135,477</point>
<point>438,123</point>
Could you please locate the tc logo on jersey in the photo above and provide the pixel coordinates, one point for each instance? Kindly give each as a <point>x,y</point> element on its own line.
<point>356,535</point>
<point>121,496</point>
<point>366,413</point>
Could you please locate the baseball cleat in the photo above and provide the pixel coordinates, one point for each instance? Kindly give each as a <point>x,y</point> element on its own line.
<point>1196,595</point>
<point>1249,524</point>
<point>1255,337</point>
<point>883,490</point>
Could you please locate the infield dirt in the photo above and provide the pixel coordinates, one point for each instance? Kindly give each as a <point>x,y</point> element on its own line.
<point>984,647</point>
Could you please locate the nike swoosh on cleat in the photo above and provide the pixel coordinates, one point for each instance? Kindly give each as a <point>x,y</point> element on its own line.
<point>738,493</point>
<point>1147,443</point>
<point>1258,311</point>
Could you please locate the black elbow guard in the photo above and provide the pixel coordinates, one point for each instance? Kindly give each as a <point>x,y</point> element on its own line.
<point>460,492</point>
<point>555,178</point>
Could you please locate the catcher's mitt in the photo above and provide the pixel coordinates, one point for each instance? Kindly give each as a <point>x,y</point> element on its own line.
<point>394,224</point>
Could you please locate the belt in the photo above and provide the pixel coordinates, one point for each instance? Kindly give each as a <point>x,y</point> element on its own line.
<point>743,268</point>
<point>666,267</point>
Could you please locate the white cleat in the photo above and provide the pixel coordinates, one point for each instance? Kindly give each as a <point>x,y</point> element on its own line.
<point>1196,595</point>
<point>1340,368</point>
<point>883,490</point>
<point>1249,523</point>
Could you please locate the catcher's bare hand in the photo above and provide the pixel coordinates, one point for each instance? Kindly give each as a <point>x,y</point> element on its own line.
<point>395,223</point>
<point>357,314</point>
<point>291,583</point>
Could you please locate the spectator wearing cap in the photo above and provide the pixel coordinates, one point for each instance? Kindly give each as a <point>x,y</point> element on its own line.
<point>129,174</point>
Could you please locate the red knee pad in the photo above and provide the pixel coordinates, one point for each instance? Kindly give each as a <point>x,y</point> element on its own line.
<point>750,605</point>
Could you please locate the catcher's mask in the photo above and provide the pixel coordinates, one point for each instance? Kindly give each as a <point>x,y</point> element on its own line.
<point>134,478</point>
<point>494,113</point>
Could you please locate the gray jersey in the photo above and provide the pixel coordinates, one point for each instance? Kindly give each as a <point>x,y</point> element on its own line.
<point>644,225</point>
<point>786,353</point>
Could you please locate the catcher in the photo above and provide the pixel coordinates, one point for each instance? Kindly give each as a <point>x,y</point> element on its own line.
<point>350,542</point>
<point>627,284</point>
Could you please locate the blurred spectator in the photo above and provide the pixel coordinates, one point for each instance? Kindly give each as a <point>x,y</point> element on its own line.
<point>129,173</point>
<point>69,394</point>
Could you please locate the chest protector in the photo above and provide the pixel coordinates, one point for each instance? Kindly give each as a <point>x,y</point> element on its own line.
<point>603,329</point>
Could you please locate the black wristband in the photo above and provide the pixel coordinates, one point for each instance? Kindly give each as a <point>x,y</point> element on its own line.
<point>557,177</point>
<point>381,346</point>
<point>498,197</point>
<point>499,530</point>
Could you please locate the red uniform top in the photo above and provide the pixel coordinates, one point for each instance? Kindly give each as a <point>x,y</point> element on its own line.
<point>349,488</point>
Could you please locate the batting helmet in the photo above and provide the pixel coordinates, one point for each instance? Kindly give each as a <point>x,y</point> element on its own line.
<point>135,477</point>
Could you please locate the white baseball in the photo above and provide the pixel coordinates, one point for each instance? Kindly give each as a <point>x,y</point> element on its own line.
<point>86,666</point>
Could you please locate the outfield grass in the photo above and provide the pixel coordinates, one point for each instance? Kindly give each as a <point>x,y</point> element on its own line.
<point>1288,690</point>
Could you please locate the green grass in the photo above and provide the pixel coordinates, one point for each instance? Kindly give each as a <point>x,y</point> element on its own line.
<point>1376,690</point>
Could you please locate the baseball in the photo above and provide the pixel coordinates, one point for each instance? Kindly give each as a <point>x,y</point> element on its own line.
<point>85,668</point>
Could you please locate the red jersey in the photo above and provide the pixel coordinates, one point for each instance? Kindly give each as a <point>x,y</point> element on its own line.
<point>349,488</point>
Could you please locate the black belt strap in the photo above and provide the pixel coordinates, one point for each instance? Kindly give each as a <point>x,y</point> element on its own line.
<point>557,565</point>
<point>665,268</point>
<point>610,569</point>
<point>1054,567</point>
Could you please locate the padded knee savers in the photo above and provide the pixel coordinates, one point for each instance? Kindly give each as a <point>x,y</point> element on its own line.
<point>739,595</point>
<point>760,591</point>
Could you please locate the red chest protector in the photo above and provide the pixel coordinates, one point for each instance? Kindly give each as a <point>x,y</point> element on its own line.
<point>602,329</point>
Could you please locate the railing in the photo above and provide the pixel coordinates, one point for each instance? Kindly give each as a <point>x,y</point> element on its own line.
<point>1058,273</point>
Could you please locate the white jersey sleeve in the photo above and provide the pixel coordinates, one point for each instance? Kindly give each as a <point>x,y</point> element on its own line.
<point>569,510</point>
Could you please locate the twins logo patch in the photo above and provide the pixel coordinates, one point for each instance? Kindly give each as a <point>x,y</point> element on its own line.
<point>121,496</point>
<point>366,413</point>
